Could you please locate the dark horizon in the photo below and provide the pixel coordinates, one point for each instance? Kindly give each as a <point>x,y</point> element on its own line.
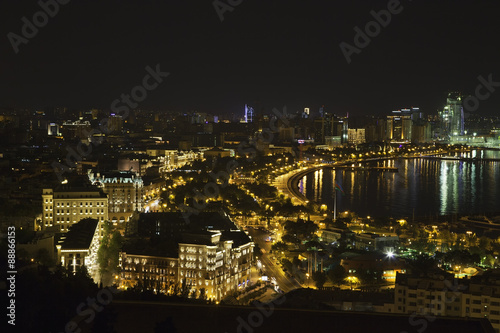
<point>266,55</point>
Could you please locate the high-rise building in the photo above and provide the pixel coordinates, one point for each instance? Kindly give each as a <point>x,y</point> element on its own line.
<point>305,113</point>
<point>330,125</point>
<point>421,132</point>
<point>249,114</point>
<point>356,136</point>
<point>115,124</point>
<point>452,116</point>
<point>400,124</point>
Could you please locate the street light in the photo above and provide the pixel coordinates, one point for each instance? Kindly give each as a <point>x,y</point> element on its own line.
<point>352,279</point>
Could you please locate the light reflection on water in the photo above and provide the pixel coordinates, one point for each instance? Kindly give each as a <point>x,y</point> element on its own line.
<point>422,186</point>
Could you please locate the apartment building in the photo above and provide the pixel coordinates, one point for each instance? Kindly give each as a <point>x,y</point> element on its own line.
<point>440,294</point>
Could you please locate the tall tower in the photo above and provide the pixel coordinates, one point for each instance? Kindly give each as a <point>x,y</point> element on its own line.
<point>452,116</point>
<point>248,114</point>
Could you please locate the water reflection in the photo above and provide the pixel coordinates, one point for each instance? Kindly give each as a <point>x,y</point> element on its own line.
<point>431,187</point>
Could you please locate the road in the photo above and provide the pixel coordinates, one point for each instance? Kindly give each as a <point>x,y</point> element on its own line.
<point>272,269</point>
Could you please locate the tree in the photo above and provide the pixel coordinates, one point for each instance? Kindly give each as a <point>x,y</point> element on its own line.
<point>489,260</point>
<point>484,243</point>
<point>257,251</point>
<point>314,245</point>
<point>337,274</point>
<point>296,261</point>
<point>44,258</point>
<point>301,229</point>
<point>319,278</point>
<point>176,289</point>
<point>108,253</point>
<point>203,294</point>
<point>341,222</point>
<point>287,264</point>
<point>279,246</point>
<point>369,277</point>
<point>462,258</point>
<point>287,238</point>
<point>424,263</point>
<point>184,289</point>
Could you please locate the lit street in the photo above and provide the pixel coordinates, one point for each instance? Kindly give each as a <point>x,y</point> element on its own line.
<point>272,268</point>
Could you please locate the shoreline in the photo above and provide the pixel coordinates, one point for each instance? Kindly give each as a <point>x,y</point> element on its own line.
<point>288,184</point>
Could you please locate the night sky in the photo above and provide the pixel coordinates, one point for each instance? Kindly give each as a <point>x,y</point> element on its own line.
<point>265,53</point>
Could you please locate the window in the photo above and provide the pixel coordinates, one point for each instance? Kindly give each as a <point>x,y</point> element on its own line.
<point>476,310</point>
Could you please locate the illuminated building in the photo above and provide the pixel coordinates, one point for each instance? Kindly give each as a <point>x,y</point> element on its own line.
<point>384,263</point>
<point>216,152</point>
<point>374,242</point>
<point>208,252</point>
<point>356,136</point>
<point>78,247</point>
<point>249,114</point>
<point>53,129</point>
<point>305,113</point>
<point>452,116</point>
<point>153,272</point>
<point>400,124</point>
<point>76,129</point>
<point>67,205</point>
<point>124,190</point>
<point>171,159</point>
<point>330,125</point>
<point>115,124</point>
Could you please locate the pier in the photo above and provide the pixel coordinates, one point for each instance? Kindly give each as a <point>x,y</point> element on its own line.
<point>465,159</point>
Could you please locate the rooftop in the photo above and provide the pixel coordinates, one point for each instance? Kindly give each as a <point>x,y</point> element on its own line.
<point>80,235</point>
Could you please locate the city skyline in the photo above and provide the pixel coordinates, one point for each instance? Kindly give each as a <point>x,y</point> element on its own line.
<point>236,165</point>
<point>86,55</point>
